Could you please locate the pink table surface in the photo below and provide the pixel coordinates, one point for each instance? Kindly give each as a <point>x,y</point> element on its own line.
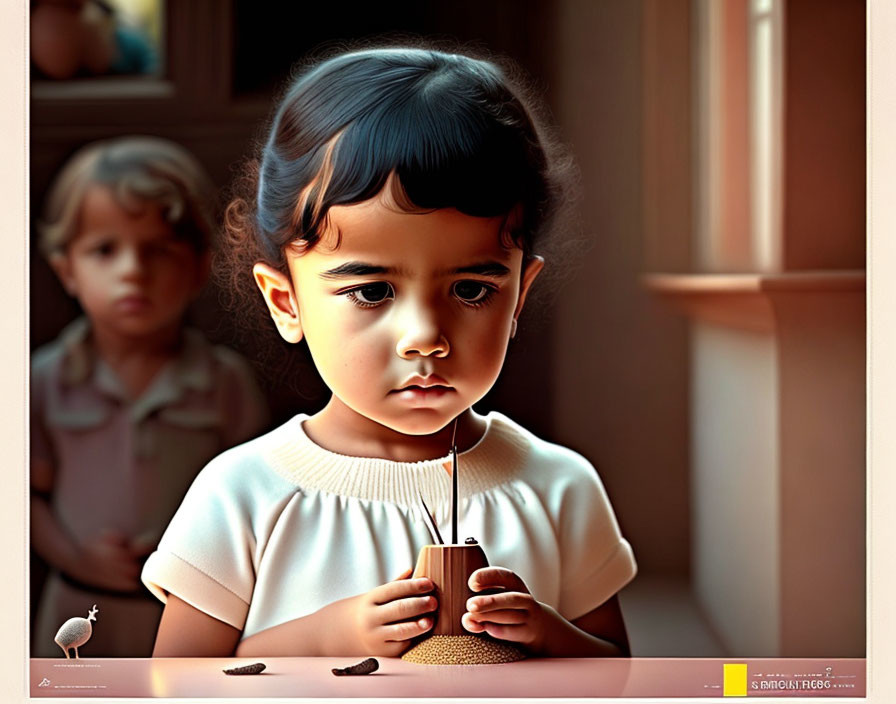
<point>312,678</point>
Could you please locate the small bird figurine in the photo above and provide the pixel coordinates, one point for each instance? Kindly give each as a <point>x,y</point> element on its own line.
<point>76,632</point>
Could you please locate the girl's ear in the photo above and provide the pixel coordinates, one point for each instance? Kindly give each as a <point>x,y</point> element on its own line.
<point>278,293</point>
<point>61,264</point>
<point>531,268</point>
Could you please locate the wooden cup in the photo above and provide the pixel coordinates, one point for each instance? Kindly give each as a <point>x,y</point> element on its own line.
<point>449,567</point>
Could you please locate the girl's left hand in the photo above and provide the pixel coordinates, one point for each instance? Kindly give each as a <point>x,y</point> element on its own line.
<point>512,614</point>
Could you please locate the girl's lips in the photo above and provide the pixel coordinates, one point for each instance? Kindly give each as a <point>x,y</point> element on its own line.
<point>423,394</point>
<point>424,382</point>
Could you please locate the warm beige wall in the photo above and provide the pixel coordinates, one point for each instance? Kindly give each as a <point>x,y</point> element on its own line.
<point>620,359</point>
<point>824,145</point>
<point>807,478</point>
<point>736,494</point>
<point>822,483</point>
<point>778,420</point>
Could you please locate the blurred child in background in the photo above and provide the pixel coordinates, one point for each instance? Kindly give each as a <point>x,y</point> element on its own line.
<point>127,404</point>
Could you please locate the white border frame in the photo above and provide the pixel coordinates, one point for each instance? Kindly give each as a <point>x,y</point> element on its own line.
<point>881,366</point>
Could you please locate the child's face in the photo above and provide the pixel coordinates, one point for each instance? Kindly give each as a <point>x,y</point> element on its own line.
<point>130,273</point>
<point>409,317</point>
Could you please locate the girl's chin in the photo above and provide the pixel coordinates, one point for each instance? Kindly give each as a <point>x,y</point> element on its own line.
<point>417,427</point>
<point>420,422</point>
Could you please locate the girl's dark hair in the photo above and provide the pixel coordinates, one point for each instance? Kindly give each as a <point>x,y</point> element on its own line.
<point>441,129</point>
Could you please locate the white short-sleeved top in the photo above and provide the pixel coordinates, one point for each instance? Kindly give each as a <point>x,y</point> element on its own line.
<point>278,527</point>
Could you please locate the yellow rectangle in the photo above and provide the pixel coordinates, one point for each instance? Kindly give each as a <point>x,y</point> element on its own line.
<point>734,680</point>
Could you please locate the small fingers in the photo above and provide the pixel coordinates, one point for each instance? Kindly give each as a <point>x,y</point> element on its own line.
<point>111,537</point>
<point>404,609</point>
<point>129,574</point>
<point>503,600</point>
<point>117,567</point>
<point>496,577</point>
<point>121,584</point>
<point>516,632</point>
<point>406,630</point>
<point>471,624</point>
<point>139,551</point>
<point>399,589</point>
<point>505,616</point>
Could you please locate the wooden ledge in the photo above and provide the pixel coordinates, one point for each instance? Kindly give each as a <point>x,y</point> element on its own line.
<point>756,283</point>
<point>746,300</point>
<point>103,88</point>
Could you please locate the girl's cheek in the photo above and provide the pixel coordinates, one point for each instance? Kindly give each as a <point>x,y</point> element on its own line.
<point>361,352</point>
<point>484,336</point>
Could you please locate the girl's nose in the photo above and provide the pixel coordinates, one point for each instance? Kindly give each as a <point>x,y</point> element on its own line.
<point>421,335</point>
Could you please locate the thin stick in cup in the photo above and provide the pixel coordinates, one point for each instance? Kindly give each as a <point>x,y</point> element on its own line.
<point>431,521</point>
<point>454,484</point>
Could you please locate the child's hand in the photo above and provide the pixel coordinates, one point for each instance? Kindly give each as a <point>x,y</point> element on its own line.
<point>512,614</point>
<point>107,561</point>
<point>388,617</point>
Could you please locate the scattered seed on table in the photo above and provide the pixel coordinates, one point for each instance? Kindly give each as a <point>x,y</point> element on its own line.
<point>365,667</point>
<point>253,669</point>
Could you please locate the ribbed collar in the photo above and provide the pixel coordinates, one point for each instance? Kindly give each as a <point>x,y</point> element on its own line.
<point>494,460</point>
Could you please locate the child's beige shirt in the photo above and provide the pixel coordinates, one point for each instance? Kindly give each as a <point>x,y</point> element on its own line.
<point>123,465</point>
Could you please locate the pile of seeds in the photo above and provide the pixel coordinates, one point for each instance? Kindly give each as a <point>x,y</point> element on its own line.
<point>462,650</point>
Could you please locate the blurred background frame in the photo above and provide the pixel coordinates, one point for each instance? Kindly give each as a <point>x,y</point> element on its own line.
<point>706,348</point>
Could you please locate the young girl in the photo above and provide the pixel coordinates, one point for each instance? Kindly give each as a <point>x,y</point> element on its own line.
<point>127,405</point>
<point>400,196</point>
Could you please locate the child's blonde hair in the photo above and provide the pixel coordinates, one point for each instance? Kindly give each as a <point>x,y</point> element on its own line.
<point>138,170</point>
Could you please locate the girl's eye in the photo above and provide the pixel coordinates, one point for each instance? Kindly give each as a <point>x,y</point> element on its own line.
<point>371,295</point>
<point>472,292</point>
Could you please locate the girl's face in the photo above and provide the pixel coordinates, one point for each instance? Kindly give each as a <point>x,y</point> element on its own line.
<point>130,273</point>
<point>407,315</point>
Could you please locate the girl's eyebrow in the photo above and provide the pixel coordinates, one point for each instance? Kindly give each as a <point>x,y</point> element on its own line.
<point>489,268</point>
<point>350,269</point>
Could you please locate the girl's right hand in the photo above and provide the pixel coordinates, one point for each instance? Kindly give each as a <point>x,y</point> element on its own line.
<point>388,617</point>
<point>380,622</point>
